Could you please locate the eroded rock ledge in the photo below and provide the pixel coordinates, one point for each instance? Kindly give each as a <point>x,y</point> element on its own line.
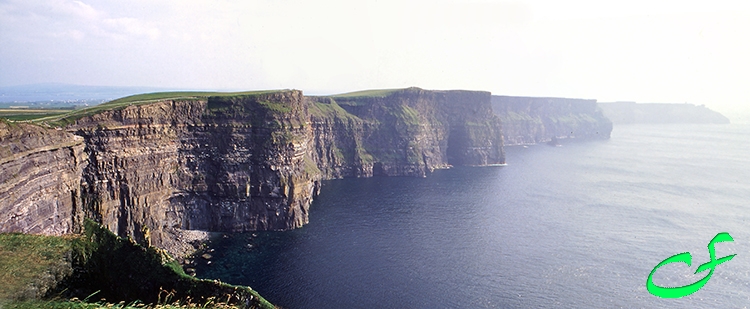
<point>156,171</point>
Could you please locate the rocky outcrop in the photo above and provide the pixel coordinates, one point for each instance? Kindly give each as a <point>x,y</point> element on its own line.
<point>532,120</point>
<point>656,113</point>
<point>155,171</point>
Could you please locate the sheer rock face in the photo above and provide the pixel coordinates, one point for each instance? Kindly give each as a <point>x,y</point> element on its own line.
<point>222,164</point>
<point>155,171</point>
<point>39,179</point>
<point>413,131</point>
<point>533,120</point>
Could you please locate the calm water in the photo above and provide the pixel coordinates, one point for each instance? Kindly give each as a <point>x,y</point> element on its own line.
<point>580,225</point>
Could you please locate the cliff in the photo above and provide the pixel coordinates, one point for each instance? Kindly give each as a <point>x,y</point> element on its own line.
<point>532,120</point>
<point>407,132</point>
<point>40,179</point>
<point>158,167</point>
<point>631,112</point>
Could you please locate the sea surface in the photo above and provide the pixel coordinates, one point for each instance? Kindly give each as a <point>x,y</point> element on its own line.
<point>576,226</point>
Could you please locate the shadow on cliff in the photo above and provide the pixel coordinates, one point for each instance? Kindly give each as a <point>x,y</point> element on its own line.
<point>116,269</point>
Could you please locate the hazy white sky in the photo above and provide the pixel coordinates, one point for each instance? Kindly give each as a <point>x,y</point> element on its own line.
<point>645,51</point>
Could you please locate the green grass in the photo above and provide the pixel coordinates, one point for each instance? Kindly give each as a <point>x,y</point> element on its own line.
<point>407,115</point>
<point>26,258</point>
<point>145,98</point>
<point>29,114</point>
<point>125,271</point>
<point>157,96</point>
<point>379,93</point>
<point>332,109</point>
<point>107,269</point>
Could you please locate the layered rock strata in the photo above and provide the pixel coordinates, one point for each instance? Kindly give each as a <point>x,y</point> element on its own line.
<point>40,179</point>
<point>155,171</point>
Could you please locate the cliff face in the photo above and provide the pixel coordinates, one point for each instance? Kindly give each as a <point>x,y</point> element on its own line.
<point>409,132</point>
<point>157,170</point>
<point>40,179</point>
<point>631,112</point>
<point>219,164</point>
<point>531,120</point>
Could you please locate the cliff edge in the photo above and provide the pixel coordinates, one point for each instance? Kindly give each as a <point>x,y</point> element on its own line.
<point>159,168</point>
<point>533,120</point>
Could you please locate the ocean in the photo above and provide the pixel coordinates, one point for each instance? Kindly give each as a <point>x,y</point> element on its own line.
<point>576,226</point>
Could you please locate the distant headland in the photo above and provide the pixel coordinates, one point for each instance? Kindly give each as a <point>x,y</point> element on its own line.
<point>660,113</point>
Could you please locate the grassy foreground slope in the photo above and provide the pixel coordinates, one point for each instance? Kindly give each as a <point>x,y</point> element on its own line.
<point>29,262</point>
<point>101,266</point>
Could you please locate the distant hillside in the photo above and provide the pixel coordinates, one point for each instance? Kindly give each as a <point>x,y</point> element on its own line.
<point>631,112</point>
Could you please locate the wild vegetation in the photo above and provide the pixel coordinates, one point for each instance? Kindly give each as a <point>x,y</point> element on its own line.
<point>331,109</point>
<point>116,272</point>
<point>27,261</point>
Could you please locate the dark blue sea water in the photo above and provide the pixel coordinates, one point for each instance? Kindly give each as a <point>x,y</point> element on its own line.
<point>577,226</point>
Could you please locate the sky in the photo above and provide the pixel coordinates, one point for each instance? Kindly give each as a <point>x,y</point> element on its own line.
<point>646,51</point>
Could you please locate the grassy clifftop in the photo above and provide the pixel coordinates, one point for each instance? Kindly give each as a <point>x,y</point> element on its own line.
<point>72,116</point>
<point>378,93</point>
<point>147,97</point>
